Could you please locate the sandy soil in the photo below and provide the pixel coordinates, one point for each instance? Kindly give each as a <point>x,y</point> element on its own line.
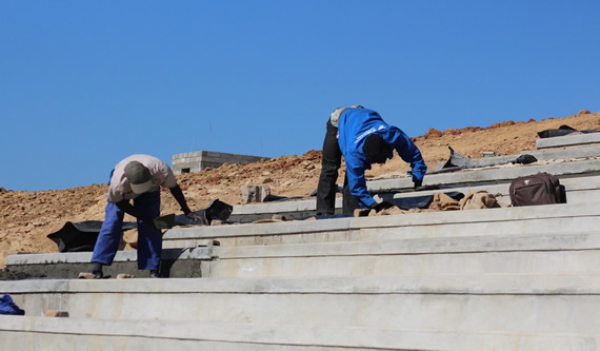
<point>27,217</point>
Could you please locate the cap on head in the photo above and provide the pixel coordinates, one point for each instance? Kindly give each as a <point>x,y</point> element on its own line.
<point>376,148</point>
<point>139,177</point>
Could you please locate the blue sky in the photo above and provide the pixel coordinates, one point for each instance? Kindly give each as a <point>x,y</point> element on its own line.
<point>84,84</point>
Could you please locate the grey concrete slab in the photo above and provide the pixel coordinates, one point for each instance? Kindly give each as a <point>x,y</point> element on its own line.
<point>457,182</point>
<point>398,265</point>
<point>572,185</point>
<point>568,141</point>
<point>539,253</point>
<point>559,153</point>
<point>175,263</point>
<point>565,303</point>
<point>489,176</point>
<point>549,219</point>
<point>70,334</point>
<point>460,255</point>
<point>130,255</point>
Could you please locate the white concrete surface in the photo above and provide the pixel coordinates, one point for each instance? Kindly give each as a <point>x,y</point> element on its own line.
<point>574,185</point>
<point>489,176</point>
<point>499,279</point>
<point>527,254</point>
<point>519,303</point>
<point>196,253</point>
<point>73,334</point>
<point>569,141</point>
<point>548,219</point>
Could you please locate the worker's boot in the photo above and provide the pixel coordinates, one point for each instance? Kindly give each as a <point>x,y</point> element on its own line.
<point>154,274</point>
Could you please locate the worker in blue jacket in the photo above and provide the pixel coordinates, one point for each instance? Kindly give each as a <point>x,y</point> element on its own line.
<point>363,138</point>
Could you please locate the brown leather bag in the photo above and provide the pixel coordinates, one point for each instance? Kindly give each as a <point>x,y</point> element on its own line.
<point>537,189</point>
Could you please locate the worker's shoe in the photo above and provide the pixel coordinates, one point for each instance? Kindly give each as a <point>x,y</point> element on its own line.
<point>154,274</point>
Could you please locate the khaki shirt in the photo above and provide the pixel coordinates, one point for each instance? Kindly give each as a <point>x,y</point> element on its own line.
<point>119,187</point>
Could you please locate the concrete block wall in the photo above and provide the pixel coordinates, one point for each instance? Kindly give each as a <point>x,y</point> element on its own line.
<point>196,161</point>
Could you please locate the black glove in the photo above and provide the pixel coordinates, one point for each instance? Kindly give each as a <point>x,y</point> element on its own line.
<point>164,222</point>
<point>383,205</point>
<point>150,223</point>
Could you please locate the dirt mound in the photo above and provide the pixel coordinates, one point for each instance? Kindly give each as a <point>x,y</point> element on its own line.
<point>27,217</point>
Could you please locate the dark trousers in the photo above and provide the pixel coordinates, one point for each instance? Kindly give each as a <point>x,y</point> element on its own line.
<point>327,188</point>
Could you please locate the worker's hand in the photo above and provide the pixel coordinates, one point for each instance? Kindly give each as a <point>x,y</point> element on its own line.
<point>383,205</point>
<point>197,217</point>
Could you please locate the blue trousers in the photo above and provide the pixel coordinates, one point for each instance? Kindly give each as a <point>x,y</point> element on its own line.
<point>149,247</point>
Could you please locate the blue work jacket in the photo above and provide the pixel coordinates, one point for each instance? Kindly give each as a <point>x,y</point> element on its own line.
<point>354,126</point>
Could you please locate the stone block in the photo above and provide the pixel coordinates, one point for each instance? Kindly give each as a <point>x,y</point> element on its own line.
<point>254,193</point>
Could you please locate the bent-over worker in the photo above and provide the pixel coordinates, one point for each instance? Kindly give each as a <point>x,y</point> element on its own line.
<point>363,138</point>
<point>137,178</point>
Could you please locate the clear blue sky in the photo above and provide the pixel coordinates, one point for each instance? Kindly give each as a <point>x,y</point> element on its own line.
<point>84,84</point>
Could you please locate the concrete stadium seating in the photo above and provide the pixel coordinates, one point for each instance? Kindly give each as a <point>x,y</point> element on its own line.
<point>515,278</point>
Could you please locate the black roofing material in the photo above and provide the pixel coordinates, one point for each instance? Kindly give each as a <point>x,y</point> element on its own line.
<point>81,236</point>
<point>420,201</point>
<point>217,209</point>
<point>458,161</point>
<point>562,131</point>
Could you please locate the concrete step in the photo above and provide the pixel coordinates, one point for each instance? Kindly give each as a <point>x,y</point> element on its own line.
<point>558,153</point>
<point>523,254</point>
<point>579,190</point>
<point>472,177</point>
<point>548,219</point>
<point>537,253</point>
<point>395,244</point>
<point>511,303</point>
<point>175,263</point>
<point>571,142</point>
<point>74,334</point>
<point>583,188</point>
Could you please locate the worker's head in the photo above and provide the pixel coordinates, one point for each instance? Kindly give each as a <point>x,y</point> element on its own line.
<point>139,177</point>
<point>376,148</point>
<point>334,118</point>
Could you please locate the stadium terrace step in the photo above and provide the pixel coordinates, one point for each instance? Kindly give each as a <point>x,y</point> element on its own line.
<point>556,154</point>
<point>495,279</point>
<point>574,142</point>
<point>580,189</point>
<point>548,219</point>
<point>473,177</point>
<point>36,333</point>
<point>176,263</point>
<point>371,245</point>
<point>526,254</point>
<point>512,303</point>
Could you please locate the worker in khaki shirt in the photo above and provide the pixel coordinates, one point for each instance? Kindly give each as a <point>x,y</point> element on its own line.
<point>138,178</point>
